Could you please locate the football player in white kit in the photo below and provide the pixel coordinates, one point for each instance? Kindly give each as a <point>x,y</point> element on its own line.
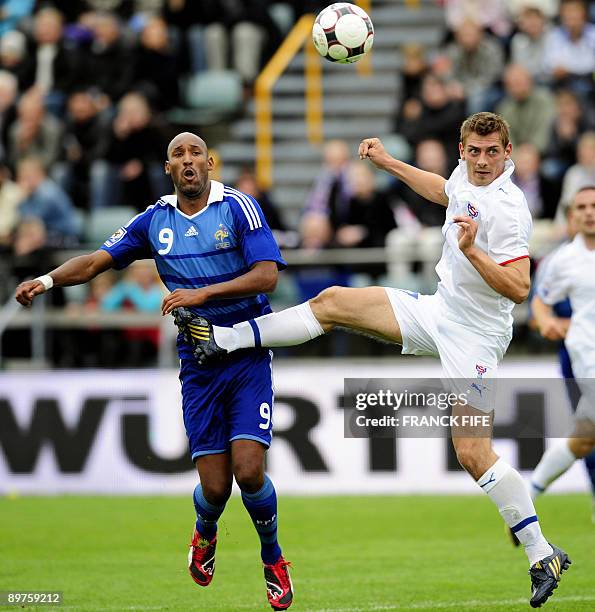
<point>467,323</point>
<point>569,273</point>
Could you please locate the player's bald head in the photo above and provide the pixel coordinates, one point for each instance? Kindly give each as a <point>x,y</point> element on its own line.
<point>185,138</point>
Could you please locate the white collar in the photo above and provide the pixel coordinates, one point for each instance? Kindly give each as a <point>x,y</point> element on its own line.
<point>215,195</point>
<point>495,184</point>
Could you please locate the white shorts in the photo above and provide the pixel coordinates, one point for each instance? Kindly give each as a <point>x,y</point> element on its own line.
<point>468,357</point>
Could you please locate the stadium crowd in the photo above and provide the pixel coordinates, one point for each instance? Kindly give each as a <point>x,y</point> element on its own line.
<point>89,90</point>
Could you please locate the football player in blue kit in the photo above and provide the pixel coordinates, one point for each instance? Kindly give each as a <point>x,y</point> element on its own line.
<point>216,254</point>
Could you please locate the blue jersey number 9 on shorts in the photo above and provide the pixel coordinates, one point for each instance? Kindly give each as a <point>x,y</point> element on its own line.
<point>265,413</point>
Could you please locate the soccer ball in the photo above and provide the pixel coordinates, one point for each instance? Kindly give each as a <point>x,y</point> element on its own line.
<point>343,33</point>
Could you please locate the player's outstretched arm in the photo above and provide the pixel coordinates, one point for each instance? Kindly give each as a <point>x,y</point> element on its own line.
<point>426,184</point>
<point>75,271</point>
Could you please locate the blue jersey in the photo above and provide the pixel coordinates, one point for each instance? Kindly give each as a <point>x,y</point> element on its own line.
<point>219,243</point>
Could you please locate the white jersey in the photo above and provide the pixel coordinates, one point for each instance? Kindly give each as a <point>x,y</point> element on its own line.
<point>568,272</point>
<point>501,211</point>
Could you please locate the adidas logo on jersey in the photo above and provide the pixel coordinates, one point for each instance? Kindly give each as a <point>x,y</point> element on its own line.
<point>191,231</point>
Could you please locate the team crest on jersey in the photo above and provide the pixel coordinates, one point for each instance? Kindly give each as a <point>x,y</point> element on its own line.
<point>473,212</point>
<point>480,369</point>
<point>220,236</point>
<point>115,237</point>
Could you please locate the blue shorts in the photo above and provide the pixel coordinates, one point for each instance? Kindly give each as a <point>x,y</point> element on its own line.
<point>229,400</point>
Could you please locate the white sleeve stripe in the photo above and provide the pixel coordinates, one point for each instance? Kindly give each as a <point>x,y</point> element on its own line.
<point>251,223</point>
<point>250,205</point>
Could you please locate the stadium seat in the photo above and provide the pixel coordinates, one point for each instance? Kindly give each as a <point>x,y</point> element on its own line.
<point>209,96</point>
<point>430,241</point>
<point>102,223</point>
<point>401,251</point>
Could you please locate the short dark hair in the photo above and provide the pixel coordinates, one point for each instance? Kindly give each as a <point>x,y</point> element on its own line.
<point>484,124</point>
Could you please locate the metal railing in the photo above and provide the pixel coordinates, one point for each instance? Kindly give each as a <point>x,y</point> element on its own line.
<point>263,94</point>
<point>298,37</point>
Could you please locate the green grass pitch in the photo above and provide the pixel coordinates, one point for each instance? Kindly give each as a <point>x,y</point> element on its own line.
<point>349,554</point>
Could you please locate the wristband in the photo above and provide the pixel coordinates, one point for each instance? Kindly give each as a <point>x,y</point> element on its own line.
<point>46,280</point>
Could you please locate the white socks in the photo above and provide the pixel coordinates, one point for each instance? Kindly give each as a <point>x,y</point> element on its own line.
<point>286,328</point>
<point>506,489</point>
<point>555,461</point>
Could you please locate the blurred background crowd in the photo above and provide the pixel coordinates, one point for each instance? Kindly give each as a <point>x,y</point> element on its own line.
<point>91,91</point>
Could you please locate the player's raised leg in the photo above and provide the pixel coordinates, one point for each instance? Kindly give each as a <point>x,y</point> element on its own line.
<point>260,500</point>
<point>210,497</point>
<point>366,310</point>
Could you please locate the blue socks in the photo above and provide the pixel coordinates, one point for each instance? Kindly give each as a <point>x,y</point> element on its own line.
<point>262,508</point>
<point>207,514</point>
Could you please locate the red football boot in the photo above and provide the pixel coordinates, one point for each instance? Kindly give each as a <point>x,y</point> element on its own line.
<point>279,586</point>
<point>201,559</point>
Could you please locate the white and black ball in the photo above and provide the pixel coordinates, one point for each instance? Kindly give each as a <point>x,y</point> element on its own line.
<point>343,33</point>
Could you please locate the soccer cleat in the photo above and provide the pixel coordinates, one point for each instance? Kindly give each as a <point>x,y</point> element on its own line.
<point>545,575</point>
<point>279,586</point>
<point>201,559</point>
<point>199,333</point>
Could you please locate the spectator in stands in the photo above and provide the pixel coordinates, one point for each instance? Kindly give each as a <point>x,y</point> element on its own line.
<point>51,67</point>
<point>8,96</point>
<point>569,124</point>
<point>328,204</point>
<point>46,201</point>
<point>12,12</point>
<point>156,71</point>
<point>431,156</point>
<point>30,237</point>
<point>35,132</point>
<point>491,15</point>
<point>370,216</point>
<point>10,198</point>
<point>570,48</point>
<point>434,116</point>
<point>83,142</point>
<point>13,56</point>
<point>548,8</point>
<point>529,110</point>
<point>477,62</point>
<point>414,69</point>
<point>109,65</point>
<point>192,22</point>
<point>527,46</point>
<point>140,290</point>
<point>132,169</point>
<point>234,33</point>
<point>31,250</point>
<point>246,183</point>
<point>578,176</point>
<point>542,194</point>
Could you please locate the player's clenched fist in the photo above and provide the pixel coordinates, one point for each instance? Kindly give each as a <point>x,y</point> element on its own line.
<point>27,290</point>
<point>373,149</point>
